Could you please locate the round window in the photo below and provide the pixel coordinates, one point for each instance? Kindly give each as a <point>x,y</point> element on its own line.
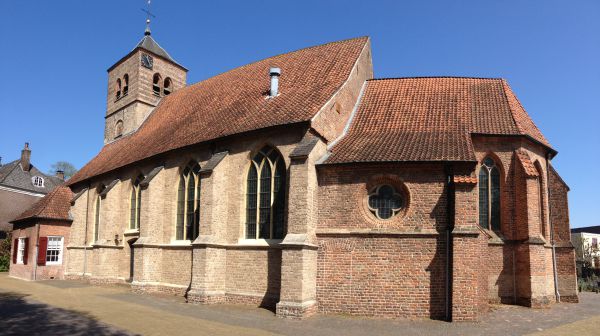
<point>385,201</point>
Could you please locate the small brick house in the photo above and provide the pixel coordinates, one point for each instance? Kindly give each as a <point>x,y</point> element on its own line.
<point>302,184</point>
<point>21,185</point>
<point>39,236</point>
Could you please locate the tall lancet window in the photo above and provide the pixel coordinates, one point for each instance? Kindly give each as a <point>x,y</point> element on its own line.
<point>136,203</point>
<point>489,195</point>
<point>97,214</point>
<point>265,195</point>
<point>188,203</point>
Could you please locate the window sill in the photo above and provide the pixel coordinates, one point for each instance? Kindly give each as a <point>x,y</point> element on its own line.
<point>180,243</point>
<point>131,232</point>
<point>53,264</point>
<point>259,242</point>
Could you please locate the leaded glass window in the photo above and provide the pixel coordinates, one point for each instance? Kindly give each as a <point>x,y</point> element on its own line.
<point>265,195</point>
<point>188,204</point>
<point>136,204</point>
<point>385,202</point>
<point>489,195</point>
<point>97,215</point>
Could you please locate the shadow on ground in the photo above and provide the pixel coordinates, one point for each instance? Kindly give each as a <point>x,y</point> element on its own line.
<point>19,316</point>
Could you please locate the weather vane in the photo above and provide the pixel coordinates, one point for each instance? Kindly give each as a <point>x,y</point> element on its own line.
<point>148,15</point>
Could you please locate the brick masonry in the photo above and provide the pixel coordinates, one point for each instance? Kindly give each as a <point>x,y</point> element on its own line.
<point>337,257</point>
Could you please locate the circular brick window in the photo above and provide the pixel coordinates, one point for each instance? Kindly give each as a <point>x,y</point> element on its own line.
<point>385,201</point>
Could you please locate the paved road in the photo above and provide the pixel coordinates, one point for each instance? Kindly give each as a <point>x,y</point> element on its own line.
<point>73,308</point>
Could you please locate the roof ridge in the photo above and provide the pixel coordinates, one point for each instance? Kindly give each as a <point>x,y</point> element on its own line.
<point>433,77</point>
<point>278,55</point>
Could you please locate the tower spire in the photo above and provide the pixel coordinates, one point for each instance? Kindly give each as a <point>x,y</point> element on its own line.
<point>148,15</point>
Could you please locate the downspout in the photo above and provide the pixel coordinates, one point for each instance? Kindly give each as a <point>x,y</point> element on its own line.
<point>87,210</point>
<point>555,272</point>
<point>450,215</point>
<point>37,250</point>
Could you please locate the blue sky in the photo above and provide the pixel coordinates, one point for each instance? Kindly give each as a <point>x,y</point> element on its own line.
<point>54,56</point>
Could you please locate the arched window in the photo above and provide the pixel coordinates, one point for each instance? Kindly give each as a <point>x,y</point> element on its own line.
<point>188,204</point>
<point>541,188</point>
<point>97,214</point>
<point>118,89</point>
<point>119,128</point>
<point>136,203</point>
<point>168,86</point>
<point>156,84</point>
<point>489,195</point>
<point>125,84</point>
<point>265,195</point>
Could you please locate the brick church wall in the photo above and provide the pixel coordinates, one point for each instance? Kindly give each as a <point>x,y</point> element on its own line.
<point>385,268</point>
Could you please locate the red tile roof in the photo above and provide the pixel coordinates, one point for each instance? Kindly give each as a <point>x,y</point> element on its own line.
<point>466,179</point>
<point>430,119</point>
<point>55,206</point>
<point>235,102</point>
<point>526,163</point>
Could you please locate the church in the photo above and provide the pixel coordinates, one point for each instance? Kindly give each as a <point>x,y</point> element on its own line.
<point>303,184</point>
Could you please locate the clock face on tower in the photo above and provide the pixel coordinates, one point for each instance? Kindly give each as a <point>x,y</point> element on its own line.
<point>147,61</point>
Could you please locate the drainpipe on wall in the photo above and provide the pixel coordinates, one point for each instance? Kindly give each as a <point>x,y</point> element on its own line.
<point>87,210</point>
<point>450,215</point>
<point>37,248</point>
<point>556,292</point>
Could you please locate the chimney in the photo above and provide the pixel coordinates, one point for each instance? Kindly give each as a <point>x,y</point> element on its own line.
<point>275,73</point>
<point>60,174</point>
<point>26,157</point>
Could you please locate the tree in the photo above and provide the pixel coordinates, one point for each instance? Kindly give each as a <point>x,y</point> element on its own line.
<point>66,167</point>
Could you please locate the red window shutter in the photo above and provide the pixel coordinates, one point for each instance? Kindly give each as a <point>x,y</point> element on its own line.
<point>42,247</point>
<point>15,250</point>
<point>26,251</point>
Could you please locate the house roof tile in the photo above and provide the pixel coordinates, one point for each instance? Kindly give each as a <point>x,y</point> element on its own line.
<point>54,206</point>
<point>430,119</point>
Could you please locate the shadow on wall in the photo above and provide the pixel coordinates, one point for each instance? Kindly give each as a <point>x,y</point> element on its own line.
<point>437,266</point>
<point>22,317</point>
<point>271,297</point>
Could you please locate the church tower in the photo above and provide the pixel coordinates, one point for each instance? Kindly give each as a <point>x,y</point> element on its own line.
<point>137,83</point>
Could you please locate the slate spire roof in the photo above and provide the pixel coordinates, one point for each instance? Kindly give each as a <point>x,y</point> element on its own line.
<point>148,43</point>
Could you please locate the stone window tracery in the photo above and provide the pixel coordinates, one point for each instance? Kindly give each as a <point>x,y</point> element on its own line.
<point>136,203</point>
<point>385,202</point>
<point>265,195</point>
<point>188,204</point>
<point>489,195</point>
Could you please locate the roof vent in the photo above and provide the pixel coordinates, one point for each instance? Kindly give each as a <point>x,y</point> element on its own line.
<point>275,73</point>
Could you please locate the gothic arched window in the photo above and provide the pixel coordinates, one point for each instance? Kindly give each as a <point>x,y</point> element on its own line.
<point>168,86</point>
<point>188,204</point>
<point>97,214</point>
<point>489,195</point>
<point>265,195</point>
<point>156,84</point>
<point>125,84</point>
<point>118,89</point>
<point>136,203</point>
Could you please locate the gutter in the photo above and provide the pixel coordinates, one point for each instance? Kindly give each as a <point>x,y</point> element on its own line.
<point>451,216</point>
<point>551,225</point>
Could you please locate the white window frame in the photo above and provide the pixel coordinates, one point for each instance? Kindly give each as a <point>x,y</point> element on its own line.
<point>60,250</point>
<point>21,250</point>
<point>35,179</point>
